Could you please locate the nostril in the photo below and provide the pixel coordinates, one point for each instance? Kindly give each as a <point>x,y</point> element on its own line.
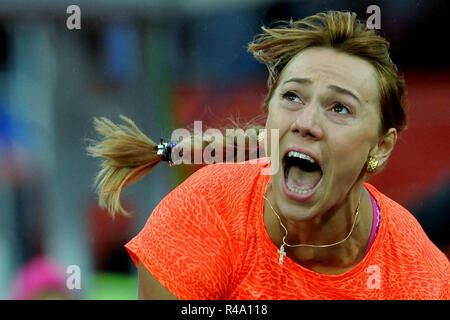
<point>304,132</point>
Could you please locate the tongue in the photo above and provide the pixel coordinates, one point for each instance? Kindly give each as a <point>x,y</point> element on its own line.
<point>301,179</point>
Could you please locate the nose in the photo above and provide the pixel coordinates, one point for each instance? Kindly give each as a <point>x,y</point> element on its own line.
<point>307,124</point>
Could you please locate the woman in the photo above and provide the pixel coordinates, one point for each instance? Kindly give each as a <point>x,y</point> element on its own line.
<point>313,229</point>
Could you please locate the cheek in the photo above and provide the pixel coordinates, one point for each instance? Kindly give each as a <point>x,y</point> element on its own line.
<point>350,153</point>
<point>275,121</point>
<point>269,127</point>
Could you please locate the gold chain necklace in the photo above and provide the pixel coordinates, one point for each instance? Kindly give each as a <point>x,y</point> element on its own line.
<point>283,253</point>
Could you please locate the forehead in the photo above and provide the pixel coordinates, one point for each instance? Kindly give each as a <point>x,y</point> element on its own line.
<point>334,68</point>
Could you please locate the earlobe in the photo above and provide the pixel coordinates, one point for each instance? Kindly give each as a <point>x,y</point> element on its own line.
<point>384,148</point>
<point>372,164</point>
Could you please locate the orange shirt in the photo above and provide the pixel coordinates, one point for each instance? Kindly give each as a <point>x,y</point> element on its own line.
<point>207,240</point>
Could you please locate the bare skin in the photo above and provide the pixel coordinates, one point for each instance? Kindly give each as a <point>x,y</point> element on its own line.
<point>149,288</point>
<point>327,104</point>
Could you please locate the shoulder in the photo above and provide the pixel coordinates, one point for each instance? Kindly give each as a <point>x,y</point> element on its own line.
<point>224,173</point>
<point>214,180</point>
<point>216,190</point>
<point>401,223</point>
<point>190,233</point>
<point>406,241</point>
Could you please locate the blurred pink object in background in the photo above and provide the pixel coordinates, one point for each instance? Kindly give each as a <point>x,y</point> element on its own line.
<point>40,278</point>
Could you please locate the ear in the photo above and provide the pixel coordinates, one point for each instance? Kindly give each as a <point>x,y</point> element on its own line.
<point>384,148</point>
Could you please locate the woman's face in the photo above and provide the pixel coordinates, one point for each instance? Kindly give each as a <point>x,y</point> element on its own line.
<point>326,108</point>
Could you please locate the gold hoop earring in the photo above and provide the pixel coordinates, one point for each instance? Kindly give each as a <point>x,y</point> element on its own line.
<point>372,164</point>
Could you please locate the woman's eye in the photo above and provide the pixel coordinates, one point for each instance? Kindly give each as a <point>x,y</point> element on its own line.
<point>291,97</point>
<point>341,109</point>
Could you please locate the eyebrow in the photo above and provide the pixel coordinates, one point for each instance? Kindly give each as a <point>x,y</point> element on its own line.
<point>332,87</point>
<point>299,80</point>
<point>344,91</point>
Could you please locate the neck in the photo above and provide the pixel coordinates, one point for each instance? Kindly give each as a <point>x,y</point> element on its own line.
<point>325,228</point>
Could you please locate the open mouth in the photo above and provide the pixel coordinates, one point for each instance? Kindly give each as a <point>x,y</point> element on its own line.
<point>301,172</point>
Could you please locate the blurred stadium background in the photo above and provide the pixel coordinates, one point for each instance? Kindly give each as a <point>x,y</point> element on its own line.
<point>165,64</point>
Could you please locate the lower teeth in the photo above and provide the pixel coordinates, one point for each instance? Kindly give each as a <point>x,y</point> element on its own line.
<point>298,190</point>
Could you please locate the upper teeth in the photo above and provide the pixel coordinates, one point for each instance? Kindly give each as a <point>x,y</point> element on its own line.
<point>301,156</point>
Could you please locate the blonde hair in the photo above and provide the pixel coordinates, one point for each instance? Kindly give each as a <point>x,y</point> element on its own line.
<point>129,154</point>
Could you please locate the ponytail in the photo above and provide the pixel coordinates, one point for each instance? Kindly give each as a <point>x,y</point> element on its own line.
<point>128,155</point>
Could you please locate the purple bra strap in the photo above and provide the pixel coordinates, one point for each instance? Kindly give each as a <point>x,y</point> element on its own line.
<point>375,223</point>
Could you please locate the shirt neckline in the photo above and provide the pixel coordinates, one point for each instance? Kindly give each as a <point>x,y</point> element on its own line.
<point>291,265</point>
